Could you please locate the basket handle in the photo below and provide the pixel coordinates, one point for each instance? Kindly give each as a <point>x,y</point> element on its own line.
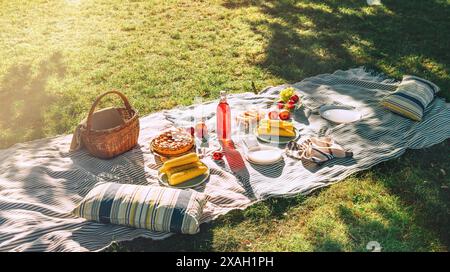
<point>91,112</point>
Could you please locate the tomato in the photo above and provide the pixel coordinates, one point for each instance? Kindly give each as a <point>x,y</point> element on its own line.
<point>217,155</point>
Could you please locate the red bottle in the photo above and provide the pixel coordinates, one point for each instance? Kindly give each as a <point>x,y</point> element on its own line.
<point>223,115</point>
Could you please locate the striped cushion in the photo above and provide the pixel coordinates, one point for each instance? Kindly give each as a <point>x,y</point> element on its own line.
<point>150,207</point>
<point>411,97</point>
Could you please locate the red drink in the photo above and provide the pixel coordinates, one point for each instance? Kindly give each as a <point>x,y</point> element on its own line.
<point>223,115</point>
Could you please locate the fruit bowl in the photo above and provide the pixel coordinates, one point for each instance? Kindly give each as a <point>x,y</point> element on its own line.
<point>289,99</point>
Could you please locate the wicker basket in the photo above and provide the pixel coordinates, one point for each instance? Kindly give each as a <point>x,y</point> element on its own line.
<point>108,143</point>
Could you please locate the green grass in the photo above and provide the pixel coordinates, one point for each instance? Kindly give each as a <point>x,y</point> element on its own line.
<point>57,56</point>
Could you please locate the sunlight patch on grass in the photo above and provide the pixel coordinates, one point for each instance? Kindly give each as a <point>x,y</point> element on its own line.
<point>420,64</point>
<point>359,49</point>
<point>306,21</point>
<point>315,5</point>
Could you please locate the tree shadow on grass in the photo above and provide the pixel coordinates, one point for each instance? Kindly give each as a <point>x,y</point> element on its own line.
<point>420,179</point>
<point>306,38</point>
<point>393,230</point>
<point>24,100</point>
<point>364,230</point>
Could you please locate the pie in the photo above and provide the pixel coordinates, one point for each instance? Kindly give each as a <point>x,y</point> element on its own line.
<point>172,142</point>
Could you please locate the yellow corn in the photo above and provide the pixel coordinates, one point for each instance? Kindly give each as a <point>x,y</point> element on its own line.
<point>185,159</point>
<point>180,168</point>
<point>187,174</point>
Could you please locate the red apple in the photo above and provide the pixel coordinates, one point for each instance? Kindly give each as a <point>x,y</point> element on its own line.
<point>284,115</point>
<point>290,105</point>
<point>294,98</point>
<point>280,104</point>
<point>273,115</point>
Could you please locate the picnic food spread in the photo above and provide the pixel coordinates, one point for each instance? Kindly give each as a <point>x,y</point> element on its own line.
<point>183,167</point>
<point>172,142</point>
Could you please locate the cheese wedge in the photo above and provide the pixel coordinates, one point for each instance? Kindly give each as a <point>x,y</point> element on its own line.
<point>264,130</point>
<point>185,175</point>
<point>185,159</point>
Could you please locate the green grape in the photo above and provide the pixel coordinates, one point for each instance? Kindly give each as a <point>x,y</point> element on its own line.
<point>286,94</point>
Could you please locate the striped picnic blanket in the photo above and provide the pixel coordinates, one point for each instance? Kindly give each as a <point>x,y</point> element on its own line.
<point>40,182</point>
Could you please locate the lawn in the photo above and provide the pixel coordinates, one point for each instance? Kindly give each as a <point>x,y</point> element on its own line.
<point>57,56</point>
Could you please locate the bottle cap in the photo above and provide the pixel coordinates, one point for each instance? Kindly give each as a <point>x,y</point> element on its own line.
<point>223,95</point>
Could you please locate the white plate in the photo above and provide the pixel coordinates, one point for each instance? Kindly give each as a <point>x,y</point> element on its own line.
<point>268,155</point>
<point>187,184</point>
<point>339,114</point>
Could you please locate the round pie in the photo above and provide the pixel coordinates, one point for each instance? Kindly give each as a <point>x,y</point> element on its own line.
<point>172,142</point>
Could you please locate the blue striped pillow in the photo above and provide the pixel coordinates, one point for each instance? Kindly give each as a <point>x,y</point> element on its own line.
<point>411,98</point>
<point>150,207</point>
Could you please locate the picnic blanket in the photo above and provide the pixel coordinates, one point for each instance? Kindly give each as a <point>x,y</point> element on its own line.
<point>41,182</point>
